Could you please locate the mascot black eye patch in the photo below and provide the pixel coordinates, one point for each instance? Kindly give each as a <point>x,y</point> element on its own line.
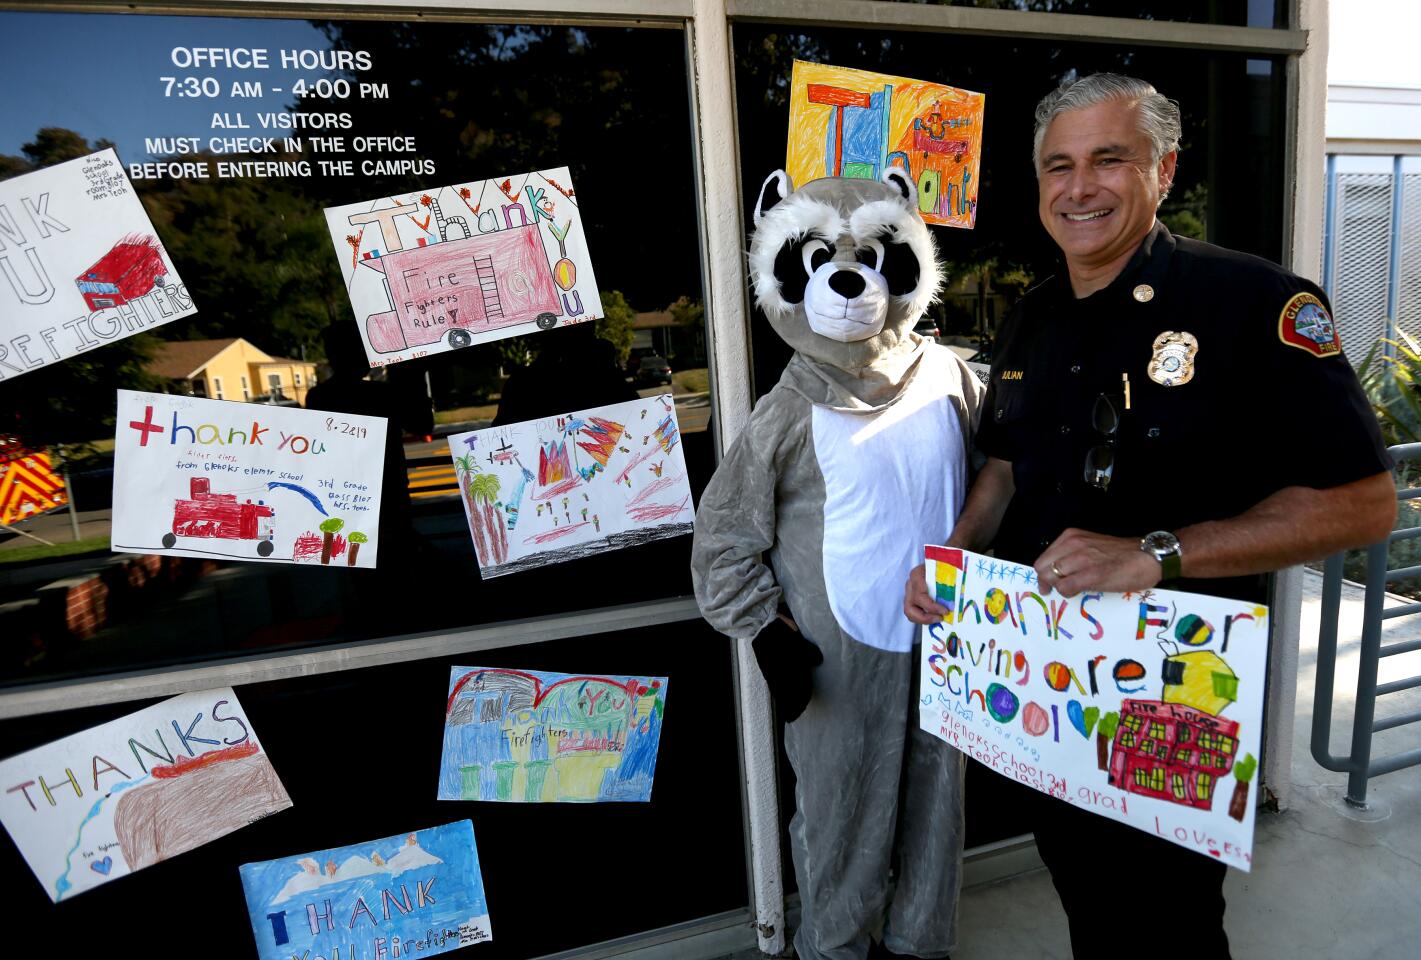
<point>790,268</point>
<point>900,264</point>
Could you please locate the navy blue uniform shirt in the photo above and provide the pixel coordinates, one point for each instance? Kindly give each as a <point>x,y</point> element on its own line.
<point>1271,403</point>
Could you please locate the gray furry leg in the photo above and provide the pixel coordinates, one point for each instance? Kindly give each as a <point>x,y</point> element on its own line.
<point>841,835</point>
<point>922,919</point>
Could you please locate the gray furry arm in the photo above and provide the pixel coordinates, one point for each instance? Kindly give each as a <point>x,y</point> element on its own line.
<point>735,525</point>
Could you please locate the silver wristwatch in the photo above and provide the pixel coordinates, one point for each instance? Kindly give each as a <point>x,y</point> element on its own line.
<point>1164,547</point>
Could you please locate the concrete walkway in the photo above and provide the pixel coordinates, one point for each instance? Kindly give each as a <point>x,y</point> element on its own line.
<point>1328,882</point>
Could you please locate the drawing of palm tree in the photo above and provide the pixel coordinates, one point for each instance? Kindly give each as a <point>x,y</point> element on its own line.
<point>1243,773</point>
<point>356,539</point>
<point>330,528</point>
<point>468,468</point>
<point>484,491</point>
<point>1103,735</point>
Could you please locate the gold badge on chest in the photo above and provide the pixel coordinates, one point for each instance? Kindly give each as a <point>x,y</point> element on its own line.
<point>1173,362</point>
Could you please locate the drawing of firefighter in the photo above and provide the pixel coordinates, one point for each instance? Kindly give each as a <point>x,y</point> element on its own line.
<point>1179,748</point>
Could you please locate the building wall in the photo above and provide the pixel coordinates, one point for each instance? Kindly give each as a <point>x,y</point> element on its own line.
<point>228,368</point>
<point>294,378</point>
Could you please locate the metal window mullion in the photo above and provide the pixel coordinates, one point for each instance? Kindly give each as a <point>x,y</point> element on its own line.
<point>1393,278</point>
<point>728,351</point>
<point>1078,28</point>
<point>169,681</point>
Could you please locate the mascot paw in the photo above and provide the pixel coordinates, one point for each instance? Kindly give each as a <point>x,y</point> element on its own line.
<point>787,659</point>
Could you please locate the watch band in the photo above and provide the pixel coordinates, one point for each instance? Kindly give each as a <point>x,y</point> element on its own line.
<point>1169,565</point>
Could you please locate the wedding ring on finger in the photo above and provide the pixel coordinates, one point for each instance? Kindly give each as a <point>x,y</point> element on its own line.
<point>1056,571</point>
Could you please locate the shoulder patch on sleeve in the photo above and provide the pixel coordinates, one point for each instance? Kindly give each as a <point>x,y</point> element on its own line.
<point>1306,324</point>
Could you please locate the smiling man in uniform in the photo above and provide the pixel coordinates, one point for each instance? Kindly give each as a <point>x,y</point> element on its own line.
<point>1162,411</point>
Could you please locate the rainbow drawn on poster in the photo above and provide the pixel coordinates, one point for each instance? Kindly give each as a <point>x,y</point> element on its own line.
<point>537,737</point>
<point>1144,707</point>
<point>853,123</point>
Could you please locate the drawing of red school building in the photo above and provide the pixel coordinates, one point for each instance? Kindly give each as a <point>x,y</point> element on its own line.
<point>1172,752</point>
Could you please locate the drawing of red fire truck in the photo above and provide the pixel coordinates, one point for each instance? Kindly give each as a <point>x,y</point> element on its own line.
<point>132,268</point>
<point>455,288</point>
<point>219,516</point>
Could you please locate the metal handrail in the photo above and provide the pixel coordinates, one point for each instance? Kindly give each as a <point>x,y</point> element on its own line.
<point>1358,764</point>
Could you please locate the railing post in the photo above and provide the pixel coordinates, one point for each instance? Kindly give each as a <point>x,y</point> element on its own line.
<point>1324,681</point>
<point>1365,712</point>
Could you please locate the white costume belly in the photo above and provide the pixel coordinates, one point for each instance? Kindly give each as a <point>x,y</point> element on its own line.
<point>893,481</point>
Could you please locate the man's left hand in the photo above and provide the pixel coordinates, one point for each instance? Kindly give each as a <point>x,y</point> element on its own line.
<point>1079,561</point>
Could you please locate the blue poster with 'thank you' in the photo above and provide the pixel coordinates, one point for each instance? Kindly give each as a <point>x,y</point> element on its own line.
<point>417,894</point>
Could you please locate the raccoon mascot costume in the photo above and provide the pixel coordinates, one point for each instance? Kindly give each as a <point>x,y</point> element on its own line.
<point>854,461</point>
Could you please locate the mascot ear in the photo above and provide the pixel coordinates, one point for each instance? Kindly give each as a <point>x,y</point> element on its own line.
<point>777,186</point>
<point>898,179</point>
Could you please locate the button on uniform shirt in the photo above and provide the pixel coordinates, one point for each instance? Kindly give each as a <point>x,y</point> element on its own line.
<point>1271,403</point>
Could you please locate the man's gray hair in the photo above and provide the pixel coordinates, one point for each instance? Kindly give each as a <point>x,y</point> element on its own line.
<point>1158,117</point>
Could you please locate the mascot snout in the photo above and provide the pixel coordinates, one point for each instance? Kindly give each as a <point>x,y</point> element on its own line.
<point>846,302</point>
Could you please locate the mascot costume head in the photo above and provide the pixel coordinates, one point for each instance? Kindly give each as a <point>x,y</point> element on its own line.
<point>843,269</point>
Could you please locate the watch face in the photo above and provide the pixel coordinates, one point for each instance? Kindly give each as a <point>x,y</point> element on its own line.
<point>1161,542</point>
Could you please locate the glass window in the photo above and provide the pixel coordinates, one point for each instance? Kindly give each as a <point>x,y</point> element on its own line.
<point>1203,785</point>
<point>217,388</point>
<point>479,100</point>
<point>1176,783</point>
<point>376,776</point>
<point>1156,729</point>
<point>1228,189</point>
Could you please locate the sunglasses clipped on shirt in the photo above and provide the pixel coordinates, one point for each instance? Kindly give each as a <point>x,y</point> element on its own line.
<point>1100,459</point>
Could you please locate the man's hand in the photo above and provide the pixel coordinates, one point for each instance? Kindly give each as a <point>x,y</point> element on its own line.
<point>787,659</point>
<point>1080,561</point>
<point>918,603</point>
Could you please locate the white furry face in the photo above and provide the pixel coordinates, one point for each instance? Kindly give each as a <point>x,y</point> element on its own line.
<point>848,263</point>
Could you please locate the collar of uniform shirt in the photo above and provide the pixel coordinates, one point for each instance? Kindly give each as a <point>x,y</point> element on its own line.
<point>1149,265</point>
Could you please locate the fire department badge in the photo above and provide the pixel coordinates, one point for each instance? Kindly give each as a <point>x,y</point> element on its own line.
<point>1306,324</point>
<point>1173,362</point>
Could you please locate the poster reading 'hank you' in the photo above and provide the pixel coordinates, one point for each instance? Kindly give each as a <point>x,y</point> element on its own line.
<point>545,491</point>
<point>246,481</point>
<point>80,264</point>
<point>413,895</point>
<point>853,123</point>
<point>449,267</point>
<point>108,801</point>
<point>537,737</point>
<point>1144,707</point>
